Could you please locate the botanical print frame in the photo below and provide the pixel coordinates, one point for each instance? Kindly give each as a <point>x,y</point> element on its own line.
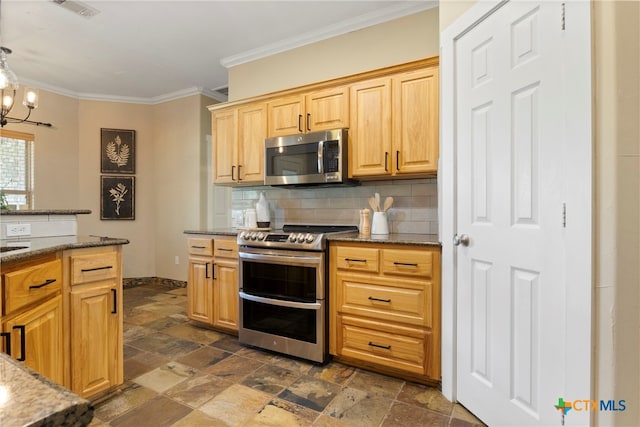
<point>117,199</point>
<point>117,151</point>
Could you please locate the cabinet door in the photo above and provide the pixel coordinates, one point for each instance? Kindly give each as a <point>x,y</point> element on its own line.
<point>415,122</point>
<point>286,116</point>
<point>327,109</point>
<point>226,294</point>
<point>200,290</point>
<point>36,338</point>
<point>224,125</point>
<point>96,337</point>
<point>370,131</point>
<point>252,131</point>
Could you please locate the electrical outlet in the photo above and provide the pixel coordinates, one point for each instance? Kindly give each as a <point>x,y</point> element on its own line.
<point>177,260</point>
<point>14,230</point>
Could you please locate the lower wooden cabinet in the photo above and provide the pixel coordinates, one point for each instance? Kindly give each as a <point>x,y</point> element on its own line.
<point>62,316</point>
<point>96,338</point>
<point>212,283</point>
<point>95,319</point>
<point>385,308</point>
<point>200,289</point>
<point>32,316</point>
<point>37,340</point>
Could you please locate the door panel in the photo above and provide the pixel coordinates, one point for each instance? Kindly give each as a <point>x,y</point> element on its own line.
<point>511,178</point>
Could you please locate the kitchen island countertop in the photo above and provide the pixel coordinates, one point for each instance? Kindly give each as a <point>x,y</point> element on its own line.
<point>9,212</point>
<point>29,399</point>
<point>45,245</point>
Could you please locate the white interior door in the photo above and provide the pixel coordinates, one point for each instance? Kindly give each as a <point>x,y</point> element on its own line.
<point>513,175</point>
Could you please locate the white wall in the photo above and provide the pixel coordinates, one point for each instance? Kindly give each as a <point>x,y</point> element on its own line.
<point>93,115</point>
<point>180,181</point>
<point>617,201</point>
<point>401,40</point>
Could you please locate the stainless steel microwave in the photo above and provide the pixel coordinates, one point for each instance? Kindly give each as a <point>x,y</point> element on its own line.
<point>314,158</point>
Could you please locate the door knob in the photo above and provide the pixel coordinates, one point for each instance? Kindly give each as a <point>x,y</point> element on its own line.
<point>462,239</point>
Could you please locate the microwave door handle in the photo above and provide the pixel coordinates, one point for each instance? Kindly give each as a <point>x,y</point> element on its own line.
<point>320,157</point>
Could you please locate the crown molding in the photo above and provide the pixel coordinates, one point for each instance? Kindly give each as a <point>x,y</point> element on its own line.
<point>327,32</point>
<point>183,93</point>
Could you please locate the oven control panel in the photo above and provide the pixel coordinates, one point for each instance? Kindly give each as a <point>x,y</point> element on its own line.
<point>259,238</point>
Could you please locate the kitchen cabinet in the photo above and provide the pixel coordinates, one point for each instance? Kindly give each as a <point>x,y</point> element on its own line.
<point>385,308</point>
<point>95,319</point>
<point>394,125</point>
<point>309,112</point>
<point>200,280</point>
<point>32,317</point>
<point>212,283</point>
<point>238,144</point>
<point>225,284</point>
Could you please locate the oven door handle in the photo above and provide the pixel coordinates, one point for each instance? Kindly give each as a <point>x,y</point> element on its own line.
<point>282,303</point>
<point>279,258</point>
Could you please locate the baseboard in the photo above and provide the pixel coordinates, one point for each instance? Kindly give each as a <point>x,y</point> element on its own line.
<point>132,282</point>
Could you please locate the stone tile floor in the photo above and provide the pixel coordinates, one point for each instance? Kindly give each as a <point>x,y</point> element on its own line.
<point>178,374</point>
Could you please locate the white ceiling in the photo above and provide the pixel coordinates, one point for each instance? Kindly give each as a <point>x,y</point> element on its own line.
<point>150,51</point>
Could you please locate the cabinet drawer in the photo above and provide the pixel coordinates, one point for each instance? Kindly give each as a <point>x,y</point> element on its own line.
<point>94,267</point>
<point>407,262</point>
<point>31,284</point>
<point>398,348</point>
<point>199,246</point>
<point>225,248</point>
<point>357,259</point>
<point>385,301</point>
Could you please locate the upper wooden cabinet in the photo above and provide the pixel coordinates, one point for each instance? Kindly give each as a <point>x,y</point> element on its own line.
<point>394,125</point>
<point>392,115</point>
<point>311,112</point>
<point>238,144</point>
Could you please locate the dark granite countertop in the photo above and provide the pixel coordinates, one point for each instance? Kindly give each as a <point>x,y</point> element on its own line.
<point>215,232</point>
<point>29,399</point>
<point>392,239</point>
<point>46,212</point>
<point>45,245</point>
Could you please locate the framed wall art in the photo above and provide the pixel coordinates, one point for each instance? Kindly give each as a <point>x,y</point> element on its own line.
<point>117,151</point>
<point>117,199</point>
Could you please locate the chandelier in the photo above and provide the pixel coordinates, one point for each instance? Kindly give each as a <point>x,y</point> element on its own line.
<point>8,87</point>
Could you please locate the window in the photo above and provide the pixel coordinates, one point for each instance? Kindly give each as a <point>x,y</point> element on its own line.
<point>16,168</point>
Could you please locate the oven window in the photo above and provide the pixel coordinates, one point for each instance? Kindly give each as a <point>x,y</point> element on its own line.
<point>277,281</point>
<point>295,323</point>
<point>293,160</point>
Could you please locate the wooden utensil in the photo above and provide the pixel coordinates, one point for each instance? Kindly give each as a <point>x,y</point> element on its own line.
<point>387,204</point>
<point>372,203</point>
<point>377,202</point>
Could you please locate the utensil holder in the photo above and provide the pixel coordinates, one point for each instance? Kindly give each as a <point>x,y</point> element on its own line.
<point>380,223</point>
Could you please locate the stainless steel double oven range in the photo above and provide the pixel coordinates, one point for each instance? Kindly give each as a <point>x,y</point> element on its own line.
<point>283,289</point>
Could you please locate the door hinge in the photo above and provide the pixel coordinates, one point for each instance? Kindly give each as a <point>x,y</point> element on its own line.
<point>563,16</point>
<point>564,215</point>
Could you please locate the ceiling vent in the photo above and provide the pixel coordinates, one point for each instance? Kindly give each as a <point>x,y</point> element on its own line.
<point>77,7</point>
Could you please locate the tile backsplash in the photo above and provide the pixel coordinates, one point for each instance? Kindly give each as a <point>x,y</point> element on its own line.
<point>415,207</point>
